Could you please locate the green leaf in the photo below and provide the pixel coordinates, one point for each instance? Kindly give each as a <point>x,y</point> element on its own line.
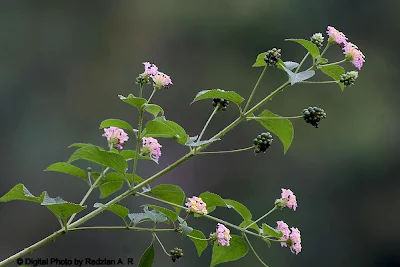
<point>160,127</point>
<point>240,208</point>
<point>192,143</point>
<point>268,242</point>
<point>60,207</point>
<point>250,222</point>
<point>136,102</point>
<point>218,93</point>
<point>67,168</point>
<point>130,155</point>
<point>169,213</point>
<point>155,215</point>
<point>283,128</point>
<point>201,245</point>
<point>117,123</point>
<point>269,231</point>
<point>236,250</point>
<point>105,158</point>
<point>84,145</point>
<point>322,60</point>
<point>138,217</point>
<point>20,192</point>
<point>154,109</point>
<point>185,229</point>
<point>334,71</point>
<point>212,200</point>
<point>147,258</point>
<point>119,210</point>
<point>109,188</point>
<point>260,62</point>
<point>170,193</point>
<point>310,46</point>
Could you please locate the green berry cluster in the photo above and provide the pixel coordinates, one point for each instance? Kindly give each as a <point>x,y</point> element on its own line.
<point>143,79</point>
<point>349,78</point>
<point>221,103</point>
<point>272,56</point>
<point>176,253</point>
<point>317,39</point>
<point>262,142</point>
<point>313,115</point>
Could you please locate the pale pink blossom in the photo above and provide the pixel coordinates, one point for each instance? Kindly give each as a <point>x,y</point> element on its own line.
<point>284,228</point>
<point>295,241</point>
<point>336,36</point>
<point>197,205</point>
<point>115,137</point>
<point>151,148</point>
<point>223,235</point>
<point>288,196</point>
<point>354,55</point>
<point>150,68</point>
<point>161,80</point>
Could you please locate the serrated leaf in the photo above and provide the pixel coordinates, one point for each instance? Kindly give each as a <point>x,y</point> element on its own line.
<point>269,231</point>
<point>283,128</point>
<point>119,210</point>
<point>200,143</point>
<point>138,217</point>
<point>169,213</point>
<point>212,200</point>
<point>147,258</point>
<point>20,192</point>
<point>260,62</point>
<point>109,188</point>
<point>155,215</point>
<point>218,93</point>
<point>240,208</point>
<point>60,207</point>
<point>310,46</point>
<point>154,109</point>
<point>185,229</point>
<point>170,193</point>
<point>254,226</point>
<point>136,102</point>
<point>236,250</point>
<point>201,245</point>
<point>160,127</point>
<point>334,71</point>
<point>130,155</point>
<point>116,123</point>
<point>105,158</point>
<point>67,168</point>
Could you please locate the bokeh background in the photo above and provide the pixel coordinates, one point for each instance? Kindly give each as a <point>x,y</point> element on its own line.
<point>63,63</point>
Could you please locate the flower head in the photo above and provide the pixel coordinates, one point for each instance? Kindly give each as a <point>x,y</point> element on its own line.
<point>354,55</point>
<point>197,205</point>
<point>289,198</point>
<point>151,148</point>
<point>161,80</point>
<point>336,36</point>
<point>295,240</point>
<point>284,228</point>
<point>150,69</point>
<point>223,235</point>
<point>115,137</point>
<point>317,39</point>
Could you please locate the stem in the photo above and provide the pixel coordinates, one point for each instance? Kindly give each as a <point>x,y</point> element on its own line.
<point>159,241</point>
<point>121,228</point>
<point>201,239</point>
<point>302,61</point>
<point>208,122</point>
<point>88,193</point>
<point>152,93</point>
<point>319,82</point>
<point>334,63</point>
<point>273,118</point>
<point>326,48</point>
<point>262,217</point>
<point>139,136</point>
<point>227,151</point>
<point>254,251</point>
<point>140,90</point>
<point>255,88</point>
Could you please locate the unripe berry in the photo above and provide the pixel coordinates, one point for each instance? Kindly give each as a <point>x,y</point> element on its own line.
<point>221,103</point>
<point>349,78</point>
<point>272,57</point>
<point>313,115</point>
<point>262,142</point>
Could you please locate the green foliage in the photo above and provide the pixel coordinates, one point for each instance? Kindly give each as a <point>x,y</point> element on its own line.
<point>240,208</point>
<point>201,245</point>
<point>20,192</point>
<point>154,109</point>
<point>136,102</point>
<point>169,213</point>
<point>130,155</point>
<point>269,231</point>
<point>112,182</point>
<point>218,93</point>
<point>254,226</point>
<point>212,200</point>
<point>84,145</point>
<point>160,127</point>
<point>138,217</point>
<point>170,193</point>
<point>283,128</point>
<point>147,258</point>
<point>334,71</point>
<point>322,60</point>
<point>94,154</point>
<point>119,210</point>
<point>310,46</point>
<point>185,229</point>
<point>67,168</point>
<point>60,207</point>
<point>260,62</point>
<point>155,215</point>
<point>237,249</point>
<point>117,123</point>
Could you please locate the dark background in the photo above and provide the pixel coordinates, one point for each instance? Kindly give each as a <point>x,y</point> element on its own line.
<point>63,63</point>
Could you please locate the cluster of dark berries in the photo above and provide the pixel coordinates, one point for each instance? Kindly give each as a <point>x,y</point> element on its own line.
<point>262,142</point>
<point>317,39</point>
<point>176,253</point>
<point>272,56</point>
<point>143,79</point>
<point>313,115</point>
<point>349,78</point>
<point>221,103</point>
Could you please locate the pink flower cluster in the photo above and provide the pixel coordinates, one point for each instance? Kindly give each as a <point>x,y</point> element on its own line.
<point>350,50</point>
<point>151,148</point>
<point>223,235</point>
<point>115,137</point>
<point>290,199</point>
<point>291,237</point>
<point>197,205</point>
<point>160,79</point>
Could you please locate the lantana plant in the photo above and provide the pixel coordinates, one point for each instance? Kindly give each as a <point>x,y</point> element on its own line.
<point>112,171</point>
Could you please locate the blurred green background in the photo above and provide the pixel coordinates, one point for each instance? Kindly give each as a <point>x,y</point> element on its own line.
<point>63,63</point>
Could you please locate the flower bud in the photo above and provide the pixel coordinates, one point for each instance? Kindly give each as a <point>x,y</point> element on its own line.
<point>317,39</point>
